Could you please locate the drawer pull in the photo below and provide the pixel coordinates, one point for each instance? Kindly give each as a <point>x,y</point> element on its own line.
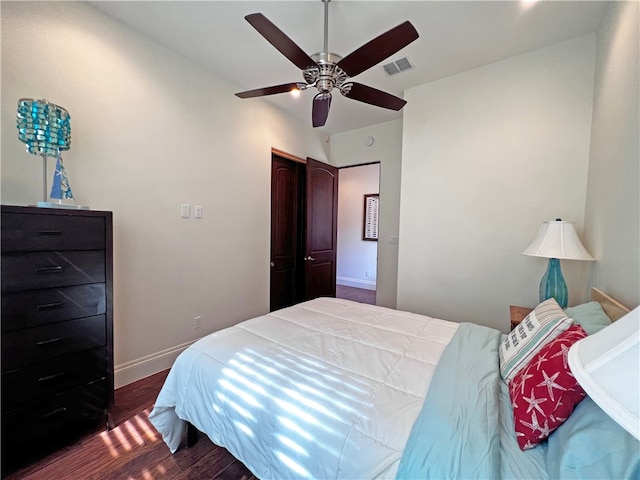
<point>54,413</point>
<point>49,378</point>
<point>44,343</point>
<point>49,233</point>
<point>48,270</point>
<point>49,306</point>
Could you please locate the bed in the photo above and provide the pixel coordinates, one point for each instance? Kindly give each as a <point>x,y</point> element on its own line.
<point>331,389</point>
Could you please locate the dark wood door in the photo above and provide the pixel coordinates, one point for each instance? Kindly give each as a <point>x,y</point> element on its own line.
<point>321,229</point>
<point>287,184</point>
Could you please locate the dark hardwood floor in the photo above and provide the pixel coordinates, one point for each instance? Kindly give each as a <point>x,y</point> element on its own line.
<point>356,294</point>
<point>134,450</point>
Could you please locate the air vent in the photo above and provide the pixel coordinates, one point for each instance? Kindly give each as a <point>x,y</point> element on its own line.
<point>401,65</point>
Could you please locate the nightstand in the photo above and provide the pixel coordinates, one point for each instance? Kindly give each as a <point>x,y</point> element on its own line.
<point>518,314</point>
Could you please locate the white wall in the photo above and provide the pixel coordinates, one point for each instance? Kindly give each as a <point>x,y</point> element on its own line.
<point>150,130</point>
<point>612,222</point>
<point>357,258</point>
<point>488,155</point>
<point>349,148</point>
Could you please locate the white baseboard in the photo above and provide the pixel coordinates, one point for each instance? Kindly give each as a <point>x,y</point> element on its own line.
<point>356,282</point>
<point>129,372</point>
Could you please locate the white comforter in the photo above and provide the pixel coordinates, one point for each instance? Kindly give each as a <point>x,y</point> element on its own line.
<point>325,389</point>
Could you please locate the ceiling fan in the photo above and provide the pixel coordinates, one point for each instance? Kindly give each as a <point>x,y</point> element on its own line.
<point>326,70</point>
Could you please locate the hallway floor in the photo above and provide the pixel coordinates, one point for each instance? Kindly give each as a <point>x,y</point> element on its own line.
<point>356,294</point>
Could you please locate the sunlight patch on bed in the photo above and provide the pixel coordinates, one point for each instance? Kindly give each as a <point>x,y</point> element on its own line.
<point>298,430</point>
<point>292,465</point>
<point>324,392</point>
<point>334,387</point>
<point>243,394</point>
<point>291,425</point>
<point>292,445</point>
<point>310,403</point>
<point>244,428</point>
<point>242,411</point>
<point>244,380</point>
<point>327,375</point>
<point>298,412</point>
<point>331,383</point>
<point>304,397</point>
<point>274,372</point>
<point>323,396</point>
<point>244,364</point>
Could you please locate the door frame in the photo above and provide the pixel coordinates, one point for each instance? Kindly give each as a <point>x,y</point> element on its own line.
<point>364,164</point>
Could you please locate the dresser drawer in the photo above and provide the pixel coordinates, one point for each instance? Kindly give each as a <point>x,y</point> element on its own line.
<point>60,416</point>
<point>39,307</point>
<point>34,345</point>
<point>41,232</point>
<point>43,380</point>
<point>29,271</point>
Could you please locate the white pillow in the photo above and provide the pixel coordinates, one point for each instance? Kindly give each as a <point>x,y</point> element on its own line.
<point>542,325</point>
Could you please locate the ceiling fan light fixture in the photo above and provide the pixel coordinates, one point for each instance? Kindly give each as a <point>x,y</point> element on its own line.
<point>345,88</point>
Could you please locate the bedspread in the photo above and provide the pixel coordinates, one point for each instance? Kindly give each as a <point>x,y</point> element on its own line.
<point>465,427</point>
<point>325,389</point>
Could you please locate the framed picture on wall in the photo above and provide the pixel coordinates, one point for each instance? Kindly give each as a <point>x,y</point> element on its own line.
<point>370,223</point>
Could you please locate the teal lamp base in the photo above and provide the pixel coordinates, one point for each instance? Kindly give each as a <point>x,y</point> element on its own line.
<point>553,284</point>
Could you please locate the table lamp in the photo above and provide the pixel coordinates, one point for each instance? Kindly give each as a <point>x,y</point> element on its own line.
<point>556,240</point>
<point>46,130</point>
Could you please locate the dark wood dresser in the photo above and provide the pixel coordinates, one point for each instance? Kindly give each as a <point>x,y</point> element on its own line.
<point>57,326</point>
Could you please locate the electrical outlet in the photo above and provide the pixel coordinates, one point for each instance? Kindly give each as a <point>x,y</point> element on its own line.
<point>197,321</point>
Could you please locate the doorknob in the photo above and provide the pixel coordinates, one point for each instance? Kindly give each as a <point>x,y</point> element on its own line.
<point>309,258</point>
<point>273,264</point>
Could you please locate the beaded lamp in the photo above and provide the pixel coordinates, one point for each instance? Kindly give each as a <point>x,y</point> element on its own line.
<point>45,128</point>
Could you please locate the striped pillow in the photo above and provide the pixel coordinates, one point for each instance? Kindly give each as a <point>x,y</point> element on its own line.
<point>542,325</point>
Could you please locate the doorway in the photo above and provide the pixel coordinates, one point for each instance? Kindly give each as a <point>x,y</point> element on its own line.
<point>357,257</point>
<point>304,214</point>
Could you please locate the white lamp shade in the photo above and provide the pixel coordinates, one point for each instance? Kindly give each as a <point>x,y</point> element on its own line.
<point>607,366</point>
<point>557,239</point>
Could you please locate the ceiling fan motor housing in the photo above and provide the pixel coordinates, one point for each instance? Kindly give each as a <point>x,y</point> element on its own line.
<point>326,75</point>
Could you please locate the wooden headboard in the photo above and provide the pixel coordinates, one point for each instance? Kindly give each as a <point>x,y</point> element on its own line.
<point>611,306</point>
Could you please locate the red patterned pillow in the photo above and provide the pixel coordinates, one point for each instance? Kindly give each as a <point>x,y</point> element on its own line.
<point>544,393</point>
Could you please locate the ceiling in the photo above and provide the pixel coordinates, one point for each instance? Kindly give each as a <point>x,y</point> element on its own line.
<point>455,36</point>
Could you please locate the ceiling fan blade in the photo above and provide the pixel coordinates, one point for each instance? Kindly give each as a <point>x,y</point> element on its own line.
<point>260,92</point>
<point>373,96</point>
<point>320,110</point>
<point>278,39</point>
<point>378,49</point>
